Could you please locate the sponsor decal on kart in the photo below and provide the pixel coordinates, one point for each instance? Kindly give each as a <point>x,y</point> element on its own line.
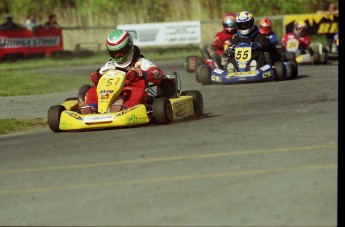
<point>132,120</point>
<point>267,74</point>
<point>125,111</point>
<point>219,71</point>
<point>104,94</point>
<point>216,78</point>
<point>180,109</point>
<point>242,74</point>
<point>265,67</point>
<point>99,118</point>
<point>65,125</point>
<point>74,115</point>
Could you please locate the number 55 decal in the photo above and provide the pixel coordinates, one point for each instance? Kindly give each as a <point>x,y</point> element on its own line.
<point>243,54</point>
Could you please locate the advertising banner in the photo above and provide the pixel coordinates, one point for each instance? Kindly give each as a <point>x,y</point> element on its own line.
<point>26,42</point>
<point>317,24</point>
<point>161,34</point>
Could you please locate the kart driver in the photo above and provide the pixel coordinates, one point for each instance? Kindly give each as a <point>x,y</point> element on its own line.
<point>229,30</point>
<point>249,33</point>
<point>126,56</point>
<point>265,27</point>
<point>299,33</point>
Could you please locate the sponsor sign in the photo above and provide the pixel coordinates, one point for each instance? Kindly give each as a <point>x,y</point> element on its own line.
<point>169,33</point>
<point>316,23</point>
<point>99,118</point>
<point>26,42</point>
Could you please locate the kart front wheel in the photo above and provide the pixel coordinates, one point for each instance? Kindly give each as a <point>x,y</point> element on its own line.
<point>280,70</point>
<point>205,74</point>
<point>198,103</point>
<point>54,114</point>
<point>82,92</point>
<point>162,111</point>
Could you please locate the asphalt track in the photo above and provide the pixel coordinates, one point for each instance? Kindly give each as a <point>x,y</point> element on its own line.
<point>263,154</point>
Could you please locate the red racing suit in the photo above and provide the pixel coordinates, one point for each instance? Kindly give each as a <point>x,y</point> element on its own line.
<point>220,39</point>
<point>140,72</point>
<point>304,41</point>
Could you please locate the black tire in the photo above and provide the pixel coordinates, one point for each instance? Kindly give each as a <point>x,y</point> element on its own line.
<point>290,56</point>
<point>205,74</point>
<point>191,62</point>
<point>198,102</point>
<point>280,70</point>
<point>317,58</point>
<point>54,114</point>
<point>162,111</point>
<point>294,68</point>
<point>82,92</point>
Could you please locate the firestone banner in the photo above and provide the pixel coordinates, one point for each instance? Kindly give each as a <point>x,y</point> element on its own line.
<point>317,23</point>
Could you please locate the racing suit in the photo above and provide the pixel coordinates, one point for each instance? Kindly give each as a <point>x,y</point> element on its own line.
<point>273,38</point>
<point>220,40</point>
<point>259,43</point>
<point>140,72</point>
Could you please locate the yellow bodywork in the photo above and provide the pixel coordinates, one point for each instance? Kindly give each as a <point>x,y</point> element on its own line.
<point>70,119</point>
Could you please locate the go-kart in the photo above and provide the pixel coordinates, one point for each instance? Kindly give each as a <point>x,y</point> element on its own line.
<point>161,106</point>
<point>207,53</point>
<point>243,71</point>
<point>314,54</point>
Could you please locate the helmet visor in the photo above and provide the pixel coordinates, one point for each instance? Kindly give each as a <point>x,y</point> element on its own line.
<point>117,54</point>
<point>245,25</point>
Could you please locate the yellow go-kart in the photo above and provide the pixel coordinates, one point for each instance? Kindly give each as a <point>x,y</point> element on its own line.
<point>161,106</point>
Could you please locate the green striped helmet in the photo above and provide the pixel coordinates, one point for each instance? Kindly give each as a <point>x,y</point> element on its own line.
<point>120,47</point>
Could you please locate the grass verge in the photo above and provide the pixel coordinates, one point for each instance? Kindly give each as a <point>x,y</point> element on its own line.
<point>10,125</point>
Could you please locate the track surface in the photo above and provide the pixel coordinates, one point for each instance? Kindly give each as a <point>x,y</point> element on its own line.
<point>263,154</point>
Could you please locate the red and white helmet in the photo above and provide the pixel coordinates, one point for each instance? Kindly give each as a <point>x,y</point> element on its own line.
<point>265,26</point>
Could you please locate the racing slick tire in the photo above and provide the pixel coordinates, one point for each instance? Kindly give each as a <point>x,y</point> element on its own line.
<point>191,62</point>
<point>294,68</point>
<point>82,92</point>
<point>162,111</point>
<point>205,74</point>
<point>198,102</point>
<point>316,57</point>
<point>54,114</point>
<point>280,70</point>
<point>290,56</point>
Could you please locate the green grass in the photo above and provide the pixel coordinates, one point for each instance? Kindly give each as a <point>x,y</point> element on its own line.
<point>10,125</point>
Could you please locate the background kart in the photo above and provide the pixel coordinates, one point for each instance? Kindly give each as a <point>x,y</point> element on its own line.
<point>281,70</point>
<point>314,54</point>
<point>161,106</point>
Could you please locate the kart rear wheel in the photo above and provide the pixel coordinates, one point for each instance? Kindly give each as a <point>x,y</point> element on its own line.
<point>191,62</point>
<point>317,58</point>
<point>198,102</point>
<point>295,69</point>
<point>82,92</point>
<point>290,56</point>
<point>54,114</point>
<point>162,111</point>
<point>205,74</point>
<point>280,70</point>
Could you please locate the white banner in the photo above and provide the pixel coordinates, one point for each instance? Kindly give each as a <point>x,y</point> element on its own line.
<point>161,34</point>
